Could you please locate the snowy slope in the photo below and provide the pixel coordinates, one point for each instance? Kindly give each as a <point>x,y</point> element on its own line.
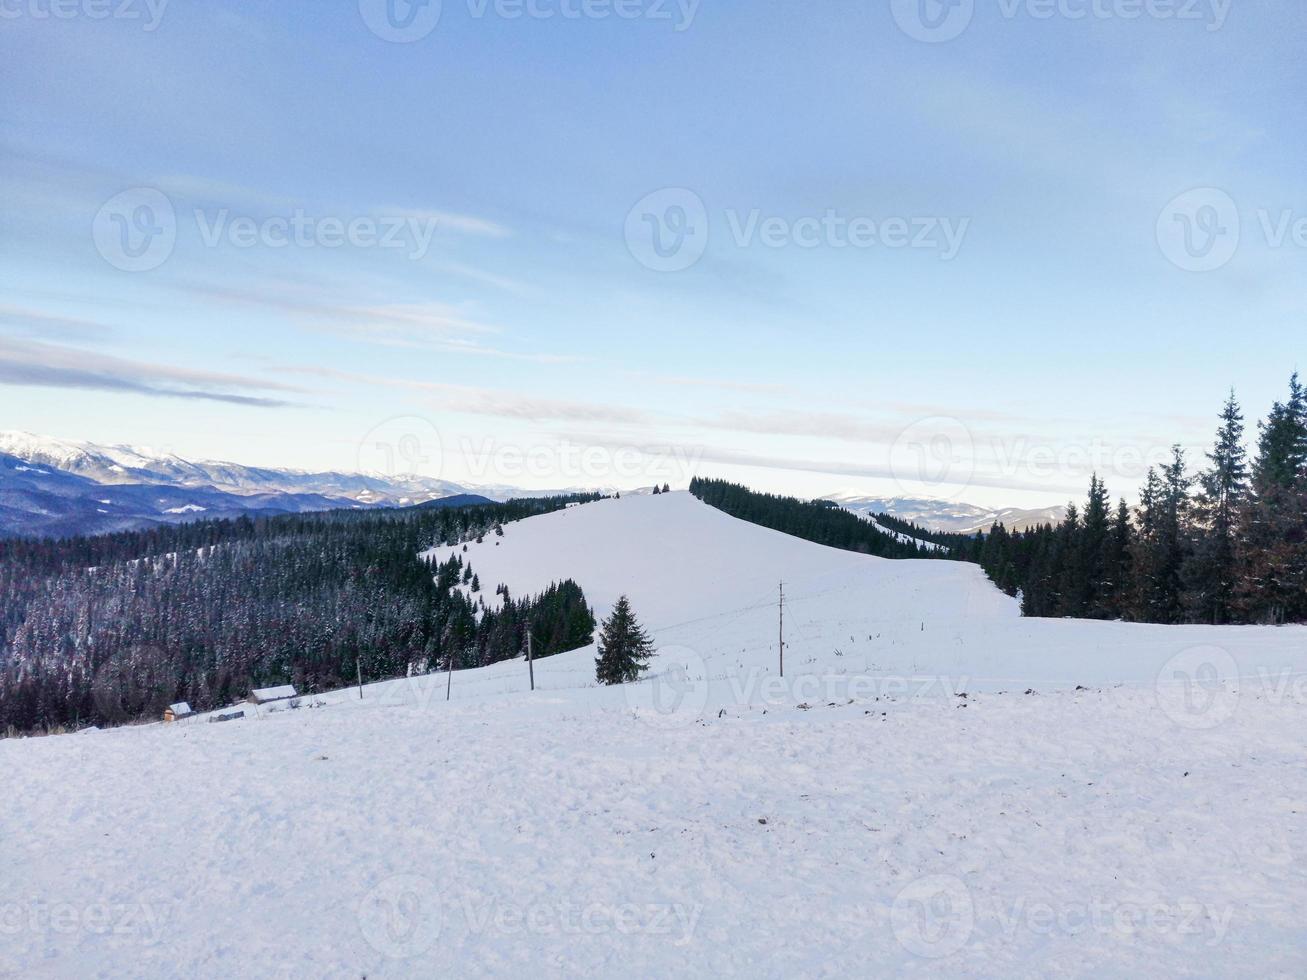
<point>708,582</point>
<point>678,559</point>
<point>901,537</point>
<point>855,819</point>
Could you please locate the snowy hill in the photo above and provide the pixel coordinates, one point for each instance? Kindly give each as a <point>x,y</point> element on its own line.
<point>1108,799</point>
<point>679,559</point>
<point>708,582</point>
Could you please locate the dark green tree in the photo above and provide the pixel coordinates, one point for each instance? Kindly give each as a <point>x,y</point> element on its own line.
<point>624,647</point>
<point>1116,562</point>
<point>1272,584</point>
<point>1161,546</point>
<point>1210,572</point>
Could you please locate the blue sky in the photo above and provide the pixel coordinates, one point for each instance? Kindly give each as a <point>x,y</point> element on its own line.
<point>1019,305</point>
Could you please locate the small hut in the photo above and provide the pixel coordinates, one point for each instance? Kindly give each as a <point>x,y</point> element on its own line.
<point>178,711</point>
<point>267,695</point>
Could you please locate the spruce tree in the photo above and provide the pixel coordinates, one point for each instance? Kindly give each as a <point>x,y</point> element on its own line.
<point>1273,548</point>
<point>1093,551</point>
<point>1162,544</point>
<point>624,647</point>
<point>1116,563</point>
<point>1210,572</point>
<point>1068,597</point>
<point>1174,536</point>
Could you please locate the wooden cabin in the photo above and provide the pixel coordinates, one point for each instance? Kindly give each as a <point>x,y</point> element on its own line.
<point>178,711</point>
<point>266,695</point>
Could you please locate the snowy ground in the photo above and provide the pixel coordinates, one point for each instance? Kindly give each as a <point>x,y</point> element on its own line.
<point>857,817</point>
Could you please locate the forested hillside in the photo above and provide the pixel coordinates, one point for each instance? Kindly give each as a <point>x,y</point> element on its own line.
<point>113,628</point>
<point>1227,544</point>
<point>822,521</point>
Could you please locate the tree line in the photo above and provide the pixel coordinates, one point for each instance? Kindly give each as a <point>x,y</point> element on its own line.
<point>109,629</point>
<point>821,521</point>
<point>1224,544</point>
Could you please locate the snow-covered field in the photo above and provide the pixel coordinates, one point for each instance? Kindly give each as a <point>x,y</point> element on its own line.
<point>855,818</point>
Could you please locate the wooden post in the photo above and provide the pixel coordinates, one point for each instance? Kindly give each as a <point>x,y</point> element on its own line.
<point>358,665</point>
<point>780,633</point>
<point>530,662</point>
<point>449,676</point>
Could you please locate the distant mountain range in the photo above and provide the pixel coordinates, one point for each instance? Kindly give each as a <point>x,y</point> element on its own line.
<point>129,464</point>
<point>36,500</point>
<point>949,515</point>
<point>59,487</point>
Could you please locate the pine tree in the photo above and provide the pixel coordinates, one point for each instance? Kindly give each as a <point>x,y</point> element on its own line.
<point>1162,544</point>
<point>1068,597</point>
<point>1093,551</point>
<point>624,647</point>
<point>1211,571</point>
<point>1116,563</point>
<point>1273,547</point>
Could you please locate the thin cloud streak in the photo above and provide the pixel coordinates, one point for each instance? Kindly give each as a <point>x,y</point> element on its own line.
<point>53,366</point>
<point>494,402</point>
<point>426,326</point>
<point>44,325</point>
<point>463,223</point>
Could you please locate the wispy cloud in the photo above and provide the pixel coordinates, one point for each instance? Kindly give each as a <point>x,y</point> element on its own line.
<point>45,325</point>
<point>57,366</point>
<point>465,224</point>
<point>828,425</point>
<point>502,404</point>
<point>494,402</point>
<point>198,189</point>
<point>750,387</point>
<point>418,326</point>
<point>485,278</point>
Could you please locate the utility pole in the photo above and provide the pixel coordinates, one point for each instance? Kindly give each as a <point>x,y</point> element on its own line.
<point>780,634</point>
<point>530,664</point>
